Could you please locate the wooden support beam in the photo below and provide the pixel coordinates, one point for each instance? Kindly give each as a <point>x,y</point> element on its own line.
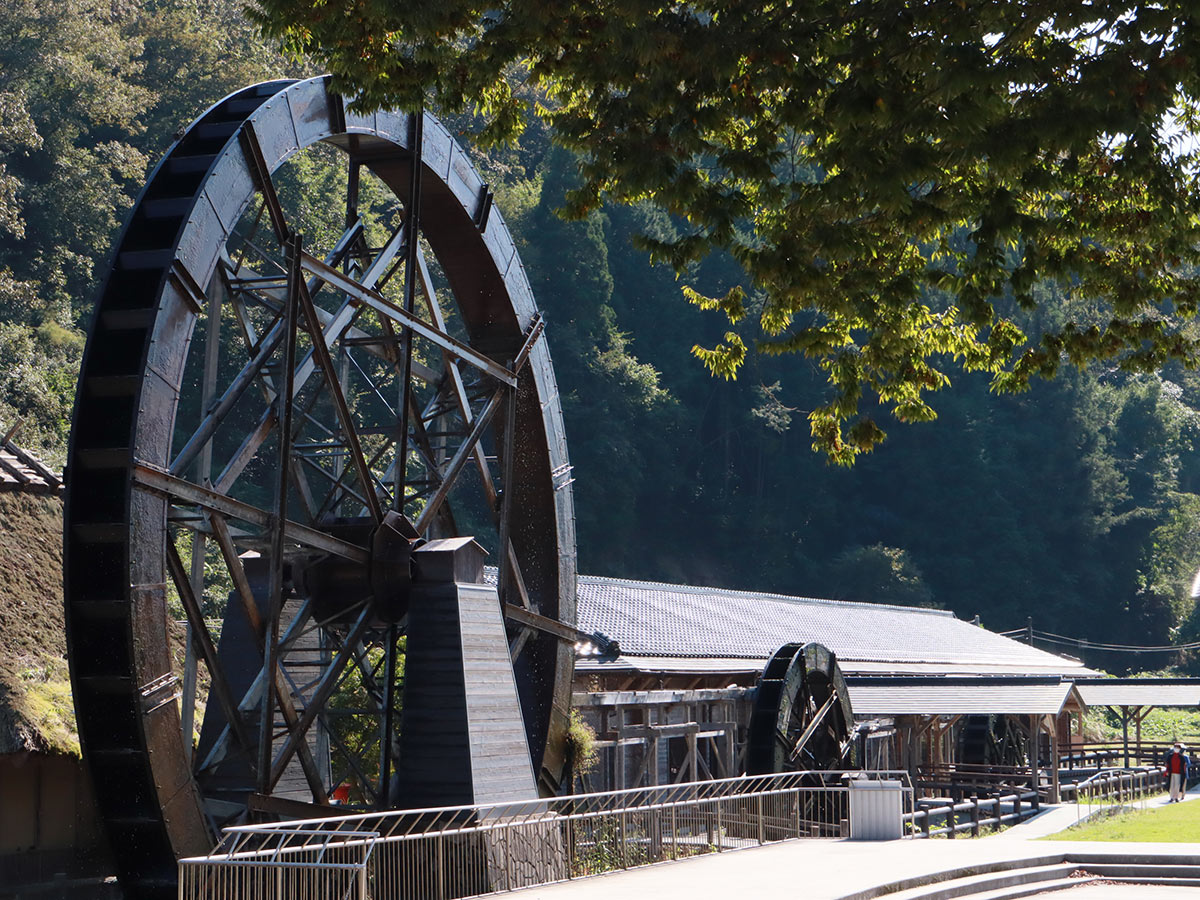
<point>1052,728</point>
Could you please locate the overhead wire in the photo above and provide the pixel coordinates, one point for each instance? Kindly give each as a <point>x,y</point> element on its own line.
<point>1062,640</point>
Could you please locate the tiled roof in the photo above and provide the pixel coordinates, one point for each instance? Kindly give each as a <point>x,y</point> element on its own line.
<point>958,696</point>
<point>717,625</point>
<point>1171,692</point>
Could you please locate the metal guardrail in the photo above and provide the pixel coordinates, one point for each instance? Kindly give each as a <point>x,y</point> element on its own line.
<point>300,864</point>
<point>1117,786</point>
<point>452,852</point>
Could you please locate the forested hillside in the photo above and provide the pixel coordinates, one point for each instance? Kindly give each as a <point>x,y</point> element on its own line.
<point>1077,503</point>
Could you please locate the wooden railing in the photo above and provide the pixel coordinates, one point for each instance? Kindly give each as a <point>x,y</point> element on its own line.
<point>971,815</point>
<point>961,780</point>
<point>1103,754</point>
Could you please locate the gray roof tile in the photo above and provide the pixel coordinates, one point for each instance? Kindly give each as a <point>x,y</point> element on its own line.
<point>1168,692</point>
<point>666,620</point>
<point>958,696</point>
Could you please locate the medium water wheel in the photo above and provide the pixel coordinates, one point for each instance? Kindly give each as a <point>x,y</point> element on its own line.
<point>281,398</point>
<point>801,718</point>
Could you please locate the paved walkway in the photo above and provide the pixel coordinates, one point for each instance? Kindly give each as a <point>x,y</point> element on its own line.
<point>830,870</point>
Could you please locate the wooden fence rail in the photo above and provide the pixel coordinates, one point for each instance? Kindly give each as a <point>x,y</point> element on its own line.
<point>972,815</point>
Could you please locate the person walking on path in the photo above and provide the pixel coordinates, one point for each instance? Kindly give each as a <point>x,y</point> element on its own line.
<point>1177,772</point>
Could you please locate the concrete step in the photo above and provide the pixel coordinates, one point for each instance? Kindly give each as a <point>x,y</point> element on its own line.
<point>1123,870</point>
<point>1013,879</point>
<point>986,880</point>
<point>897,889</point>
<point>1035,888</point>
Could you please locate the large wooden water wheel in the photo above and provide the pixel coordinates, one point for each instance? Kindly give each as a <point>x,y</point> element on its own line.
<point>282,397</point>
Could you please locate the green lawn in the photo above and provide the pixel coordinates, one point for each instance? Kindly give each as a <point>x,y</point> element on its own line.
<point>1176,823</point>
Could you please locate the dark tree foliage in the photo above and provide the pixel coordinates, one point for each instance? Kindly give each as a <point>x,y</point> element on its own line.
<point>91,94</point>
<point>884,172</point>
<point>1076,502</point>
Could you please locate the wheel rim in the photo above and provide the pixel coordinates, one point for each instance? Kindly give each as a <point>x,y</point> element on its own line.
<point>177,438</point>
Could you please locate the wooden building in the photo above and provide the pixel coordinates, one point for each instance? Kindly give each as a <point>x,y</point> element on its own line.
<point>674,661</point>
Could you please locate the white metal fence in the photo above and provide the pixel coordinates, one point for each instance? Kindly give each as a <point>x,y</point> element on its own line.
<point>440,854</point>
<point>271,862</point>
<point>1109,786</point>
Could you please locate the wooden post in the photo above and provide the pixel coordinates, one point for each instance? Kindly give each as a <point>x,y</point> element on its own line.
<point>975,815</point>
<point>1051,725</point>
<point>620,752</point>
<point>693,753</point>
<point>1125,732</point>
<point>1034,749</point>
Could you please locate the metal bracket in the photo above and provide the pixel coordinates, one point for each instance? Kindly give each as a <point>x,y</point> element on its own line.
<point>337,108</point>
<point>605,645</point>
<point>162,690</point>
<point>484,208</point>
<point>561,476</point>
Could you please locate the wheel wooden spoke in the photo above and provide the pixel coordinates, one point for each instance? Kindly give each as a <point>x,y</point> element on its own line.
<point>237,573</point>
<point>458,388</point>
<point>151,478</point>
<point>245,453</point>
<point>383,259</point>
<point>402,317</point>
<point>205,647</point>
<point>460,459</point>
<point>252,697</point>
<point>272,692</point>
<point>298,730</point>
<point>334,388</point>
<point>817,720</point>
<point>471,444</point>
<point>241,382</point>
<point>261,175</point>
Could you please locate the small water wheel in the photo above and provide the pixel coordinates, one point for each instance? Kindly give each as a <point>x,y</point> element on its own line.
<point>802,717</point>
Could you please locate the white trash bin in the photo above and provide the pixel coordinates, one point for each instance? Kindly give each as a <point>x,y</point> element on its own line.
<point>876,810</point>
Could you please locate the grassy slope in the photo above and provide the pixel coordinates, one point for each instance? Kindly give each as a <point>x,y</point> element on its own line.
<point>1177,823</point>
<point>34,681</point>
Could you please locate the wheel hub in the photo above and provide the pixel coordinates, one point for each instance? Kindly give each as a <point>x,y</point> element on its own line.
<point>337,586</point>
